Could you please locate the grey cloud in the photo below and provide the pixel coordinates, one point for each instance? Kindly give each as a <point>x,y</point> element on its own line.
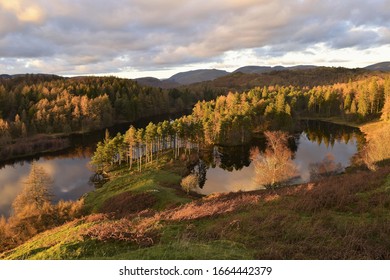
<point>96,35</point>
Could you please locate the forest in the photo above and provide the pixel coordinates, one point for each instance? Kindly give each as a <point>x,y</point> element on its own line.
<point>36,104</point>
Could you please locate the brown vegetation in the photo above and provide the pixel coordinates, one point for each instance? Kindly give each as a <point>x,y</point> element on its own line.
<point>128,203</point>
<point>142,234</point>
<point>340,217</point>
<point>209,207</point>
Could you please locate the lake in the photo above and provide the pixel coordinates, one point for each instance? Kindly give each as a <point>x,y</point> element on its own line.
<point>228,168</point>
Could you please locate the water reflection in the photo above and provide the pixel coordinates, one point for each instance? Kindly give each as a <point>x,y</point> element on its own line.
<point>316,141</point>
<point>68,169</point>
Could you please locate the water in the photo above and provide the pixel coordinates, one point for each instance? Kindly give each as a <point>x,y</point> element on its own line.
<point>68,168</point>
<point>231,171</point>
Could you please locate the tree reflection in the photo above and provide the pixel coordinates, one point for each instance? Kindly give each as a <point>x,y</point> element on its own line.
<point>328,133</point>
<point>325,168</point>
<point>274,166</point>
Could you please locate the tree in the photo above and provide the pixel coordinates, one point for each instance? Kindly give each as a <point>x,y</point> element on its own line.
<point>150,135</point>
<point>274,166</point>
<point>131,140</point>
<point>36,191</point>
<point>363,105</point>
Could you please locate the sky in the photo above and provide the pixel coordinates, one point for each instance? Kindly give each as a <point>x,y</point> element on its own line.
<point>135,38</point>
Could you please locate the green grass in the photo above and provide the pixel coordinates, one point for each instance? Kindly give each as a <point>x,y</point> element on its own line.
<point>188,250</point>
<point>50,244</point>
<point>161,183</point>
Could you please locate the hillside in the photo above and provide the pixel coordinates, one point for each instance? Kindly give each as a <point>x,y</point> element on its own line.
<point>343,217</point>
<point>196,76</point>
<point>382,66</point>
<point>154,82</point>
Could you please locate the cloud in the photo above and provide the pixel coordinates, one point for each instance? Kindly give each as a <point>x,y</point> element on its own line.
<point>95,36</point>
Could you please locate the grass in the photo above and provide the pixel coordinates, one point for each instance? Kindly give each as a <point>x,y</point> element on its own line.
<point>155,179</point>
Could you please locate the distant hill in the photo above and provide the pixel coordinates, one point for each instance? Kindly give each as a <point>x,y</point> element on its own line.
<point>154,82</point>
<point>267,69</point>
<point>196,76</point>
<point>5,76</point>
<point>381,66</point>
<point>253,69</point>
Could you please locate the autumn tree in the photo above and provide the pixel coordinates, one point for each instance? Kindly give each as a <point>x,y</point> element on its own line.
<point>36,191</point>
<point>275,165</point>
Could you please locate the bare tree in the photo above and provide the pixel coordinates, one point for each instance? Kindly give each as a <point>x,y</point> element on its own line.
<point>275,165</point>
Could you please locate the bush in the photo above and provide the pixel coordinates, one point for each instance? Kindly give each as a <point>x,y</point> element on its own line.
<point>189,183</point>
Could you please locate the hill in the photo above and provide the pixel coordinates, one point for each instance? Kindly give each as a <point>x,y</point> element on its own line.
<point>154,82</point>
<point>196,76</point>
<point>381,66</point>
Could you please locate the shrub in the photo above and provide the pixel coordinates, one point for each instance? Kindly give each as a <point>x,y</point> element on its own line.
<point>189,183</point>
